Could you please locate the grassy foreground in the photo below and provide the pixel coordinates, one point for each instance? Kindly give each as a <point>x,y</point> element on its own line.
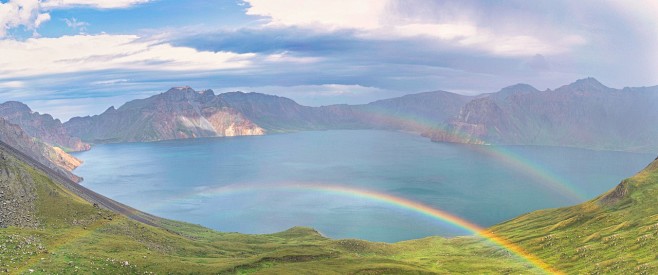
<point>73,236</point>
<point>616,232</point>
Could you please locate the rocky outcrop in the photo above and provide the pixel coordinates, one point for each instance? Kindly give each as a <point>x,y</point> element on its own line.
<point>17,194</point>
<point>54,158</point>
<point>41,126</point>
<point>615,195</point>
<point>176,114</point>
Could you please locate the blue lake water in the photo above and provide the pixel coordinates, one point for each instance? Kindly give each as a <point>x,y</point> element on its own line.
<point>234,184</point>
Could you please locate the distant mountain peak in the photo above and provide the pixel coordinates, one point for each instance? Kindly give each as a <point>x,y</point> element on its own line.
<point>589,81</point>
<point>41,126</point>
<point>208,92</point>
<point>180,89</point>
<point>516,89</point>
<point>16,106</point>
<point>181,93</point>
<point>586,84</point>
<point>520,88</point>
<point>111,109</point>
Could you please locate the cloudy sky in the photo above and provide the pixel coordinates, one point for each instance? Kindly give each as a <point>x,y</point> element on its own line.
<point>78,57</point>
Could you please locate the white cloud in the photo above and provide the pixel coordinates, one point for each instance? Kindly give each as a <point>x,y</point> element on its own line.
<point>286,57</point>
<point>32,13</point>
<point>386,19</point>
<point>100,4</point>
<point>16,13</point>
<point>442,31</point>
<point>472,36</point>
<point>109,82</point>
<point>74,24</point>
<point>12,84</point>
<point>81,53</point>
<point>334,14</point>
<point>42,17</point>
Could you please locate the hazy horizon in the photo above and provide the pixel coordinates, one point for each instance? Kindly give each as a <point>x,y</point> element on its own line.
<point>71,58</point>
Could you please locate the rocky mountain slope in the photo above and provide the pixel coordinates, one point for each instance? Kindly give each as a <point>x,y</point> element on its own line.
<point>615,233</point>
<point>185,113</point>
<point>277,114</point>
<point>582,114</point>
<point>178,113</point>
<point>41,126</point>
<point>420,112</point>
<point>52,157</point>
<point>17,194</point>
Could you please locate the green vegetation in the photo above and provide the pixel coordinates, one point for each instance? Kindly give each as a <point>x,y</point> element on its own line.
<point>614,233</point>
<point>74,236</point>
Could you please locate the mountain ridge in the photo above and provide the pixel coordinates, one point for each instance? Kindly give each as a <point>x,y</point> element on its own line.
<point>178,113</point>
<point>583,114</point>
<point>52,157</point>
<point>41,126</point>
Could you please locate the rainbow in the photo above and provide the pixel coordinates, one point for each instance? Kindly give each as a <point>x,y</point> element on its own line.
<point>546,178</point>
<point>399,202</point>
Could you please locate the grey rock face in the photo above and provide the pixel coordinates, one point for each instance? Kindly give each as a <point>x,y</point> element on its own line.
<point>17,194</point>
<point>41,126</point>
<point>45,154</point>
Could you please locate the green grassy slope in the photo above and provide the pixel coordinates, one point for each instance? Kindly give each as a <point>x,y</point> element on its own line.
<point>613,233</point>
<point>616,232</point>
<point>74,236</point>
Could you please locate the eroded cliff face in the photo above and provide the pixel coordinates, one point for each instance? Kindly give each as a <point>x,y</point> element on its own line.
<point>41,126</point>
<point>53,157</point>
<point>230,123</point>
<point>65,160</point>
<point>176,114</point>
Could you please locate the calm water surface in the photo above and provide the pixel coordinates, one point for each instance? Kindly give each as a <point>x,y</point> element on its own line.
<point>212,181</point>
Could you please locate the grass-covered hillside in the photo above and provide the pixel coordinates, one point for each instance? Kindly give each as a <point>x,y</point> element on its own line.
<point>50,230</point>
<point>616,232</point>
<point>45,228</point>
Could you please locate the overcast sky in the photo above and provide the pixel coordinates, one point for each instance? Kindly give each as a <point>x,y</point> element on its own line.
<point>78,57</point>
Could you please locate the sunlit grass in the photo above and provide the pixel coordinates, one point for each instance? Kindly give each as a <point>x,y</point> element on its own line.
<point>599,236</point>
<point>75,236</point>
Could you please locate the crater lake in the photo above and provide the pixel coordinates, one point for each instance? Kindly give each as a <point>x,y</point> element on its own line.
<point>347,184</point>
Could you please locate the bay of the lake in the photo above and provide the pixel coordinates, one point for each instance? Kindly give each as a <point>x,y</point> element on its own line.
<point>326,180</point>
